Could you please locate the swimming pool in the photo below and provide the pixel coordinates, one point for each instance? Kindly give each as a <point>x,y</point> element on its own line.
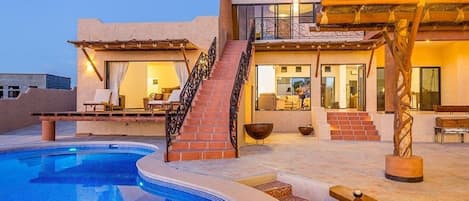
<point>105,172</point>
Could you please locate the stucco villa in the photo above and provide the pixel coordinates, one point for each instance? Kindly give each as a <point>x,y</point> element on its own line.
<point>304,66</point>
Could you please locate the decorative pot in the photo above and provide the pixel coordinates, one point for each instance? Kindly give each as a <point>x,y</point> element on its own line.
<point>259,131</point>
<point>306,130</point>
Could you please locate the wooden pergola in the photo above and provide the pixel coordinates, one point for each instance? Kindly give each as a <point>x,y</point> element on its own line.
<point>134,45</point>
<point>405,19</point>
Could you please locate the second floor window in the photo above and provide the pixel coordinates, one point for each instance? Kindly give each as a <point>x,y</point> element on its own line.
<point>13,91</point>
<point>1,92</point>
<point>306,13</point>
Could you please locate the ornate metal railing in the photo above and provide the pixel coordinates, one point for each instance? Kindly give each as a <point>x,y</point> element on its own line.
<point>175,116</point>
<point>241,77</point>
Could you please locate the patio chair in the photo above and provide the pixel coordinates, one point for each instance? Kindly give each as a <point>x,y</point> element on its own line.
<point>102,97</point>
<point>165,104</point>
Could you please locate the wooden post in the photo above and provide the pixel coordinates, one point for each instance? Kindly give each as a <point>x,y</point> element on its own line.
<point>92,64</point>
<point>390,81</point>
<point>403,165</point>
<point>183,49</point>
<point>318,59</point>
<point>48,130</point>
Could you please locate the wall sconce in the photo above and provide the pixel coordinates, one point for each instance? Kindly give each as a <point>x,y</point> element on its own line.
<point>89,67</point>
<point>155,81</point>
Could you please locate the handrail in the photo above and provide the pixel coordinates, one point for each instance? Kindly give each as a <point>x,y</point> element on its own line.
<point>241,77</point>
<point>175,116</point>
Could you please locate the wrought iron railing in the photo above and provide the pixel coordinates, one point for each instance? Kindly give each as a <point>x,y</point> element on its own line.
<point>293,27</point>
<point>241,77</point>
<point>175,116</point>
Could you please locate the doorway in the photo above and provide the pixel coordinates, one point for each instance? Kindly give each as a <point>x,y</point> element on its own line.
<point>343,86</point>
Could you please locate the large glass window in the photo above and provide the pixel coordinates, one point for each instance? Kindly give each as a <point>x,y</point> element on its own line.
<point>425,88</point>
<point>1,92</point>
<point>283,87</point>
<point>276,21</point>
<point>13,91</point>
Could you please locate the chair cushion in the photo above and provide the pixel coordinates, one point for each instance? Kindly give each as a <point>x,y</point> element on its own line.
<point>157,102</point>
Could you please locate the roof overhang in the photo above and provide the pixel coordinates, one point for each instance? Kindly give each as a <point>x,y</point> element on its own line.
<point>136,45</point>
<point>313,46</point>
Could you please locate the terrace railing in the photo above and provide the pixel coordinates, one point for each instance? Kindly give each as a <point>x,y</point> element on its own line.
<point>240,79</point>
<point>175,116</point>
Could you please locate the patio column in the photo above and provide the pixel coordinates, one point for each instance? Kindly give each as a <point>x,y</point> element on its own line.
<point>48,130</point>
<point>390,81</point>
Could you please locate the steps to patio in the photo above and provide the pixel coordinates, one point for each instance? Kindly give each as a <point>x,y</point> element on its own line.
<point>352,126</point>
<point>205,132</point>
<point>279,190</point>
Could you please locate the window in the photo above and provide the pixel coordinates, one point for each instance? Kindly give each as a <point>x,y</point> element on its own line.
<point>34,87</point>
<point>306,13</point>
<point>281,87</point>
<point>425,91</point>
<point>13,91</point>
<point>1,92</point>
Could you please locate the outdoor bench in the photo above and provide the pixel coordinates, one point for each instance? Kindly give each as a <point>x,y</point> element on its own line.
<point>451,126</point>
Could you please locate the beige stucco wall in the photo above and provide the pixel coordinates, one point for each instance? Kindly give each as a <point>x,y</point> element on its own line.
<point>200,31</point>
<point>16,113</point>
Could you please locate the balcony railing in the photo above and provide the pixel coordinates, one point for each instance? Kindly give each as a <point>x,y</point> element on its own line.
<point>288,28</point>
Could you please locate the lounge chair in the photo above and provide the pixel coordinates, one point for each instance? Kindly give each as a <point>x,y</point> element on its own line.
<point>165,104</point>
<point>102,97</point>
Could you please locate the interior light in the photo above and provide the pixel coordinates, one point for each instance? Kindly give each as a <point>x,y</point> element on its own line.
<point>427,41</point>
<point>296,7</point>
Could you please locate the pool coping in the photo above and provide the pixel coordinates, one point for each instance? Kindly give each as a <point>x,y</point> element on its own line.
<point>155,168</point>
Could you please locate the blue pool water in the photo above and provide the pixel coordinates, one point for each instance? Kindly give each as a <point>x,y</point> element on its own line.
<point>97,173</point>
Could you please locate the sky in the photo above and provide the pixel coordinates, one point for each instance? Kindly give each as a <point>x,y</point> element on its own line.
<point>33,33</point>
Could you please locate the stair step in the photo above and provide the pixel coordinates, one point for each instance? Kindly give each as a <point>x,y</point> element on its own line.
<point>200,144</point>
<point>203,154</point>
<point>276,189</point>
<point>292,198</point>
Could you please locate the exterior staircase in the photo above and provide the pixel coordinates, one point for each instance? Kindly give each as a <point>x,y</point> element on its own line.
<point>205,132</point>
<point>353,126</point>
<point>279,190</point>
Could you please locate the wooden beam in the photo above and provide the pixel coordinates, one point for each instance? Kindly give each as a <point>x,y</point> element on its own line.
<point>415,28</point>
<point>318,59</point>
<point>383,17</point>
<point>92,64</point>
<point>370,63</point>
<point>366,2</point>
<point>386,2</point>
<point>183,49</point>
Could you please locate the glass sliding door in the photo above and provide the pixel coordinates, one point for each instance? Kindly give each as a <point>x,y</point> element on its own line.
<point>429,87</point>
<point>361,88</point>
<point>380,88</point>
<point>343,86</point>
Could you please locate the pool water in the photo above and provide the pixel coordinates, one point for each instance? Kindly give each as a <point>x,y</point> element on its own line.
<point>89,174</point>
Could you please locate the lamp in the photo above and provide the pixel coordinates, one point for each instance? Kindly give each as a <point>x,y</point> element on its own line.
<point>155,81</point>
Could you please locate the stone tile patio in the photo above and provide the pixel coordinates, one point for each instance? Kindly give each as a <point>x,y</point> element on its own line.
<point>354,164</point>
